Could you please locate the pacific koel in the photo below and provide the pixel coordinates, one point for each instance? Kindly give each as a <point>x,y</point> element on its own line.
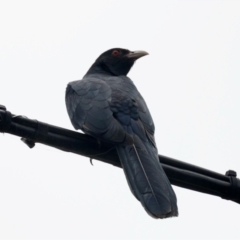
<point>107,105</point>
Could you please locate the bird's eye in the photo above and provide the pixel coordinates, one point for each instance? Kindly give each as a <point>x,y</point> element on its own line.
<point>115,53</point>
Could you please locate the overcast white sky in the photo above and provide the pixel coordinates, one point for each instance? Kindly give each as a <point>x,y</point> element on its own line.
<point>190,82</point>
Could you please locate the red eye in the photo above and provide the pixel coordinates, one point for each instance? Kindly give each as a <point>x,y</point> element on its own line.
<point>115,53</point>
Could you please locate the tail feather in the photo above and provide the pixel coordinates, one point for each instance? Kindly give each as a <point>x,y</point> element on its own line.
<point>172,196</point>
<point>147,180</point>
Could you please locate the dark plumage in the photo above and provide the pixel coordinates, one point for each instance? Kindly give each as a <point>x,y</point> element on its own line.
<point>106,104</point>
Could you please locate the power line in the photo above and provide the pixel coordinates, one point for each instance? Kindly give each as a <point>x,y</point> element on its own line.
<point>179,173</point>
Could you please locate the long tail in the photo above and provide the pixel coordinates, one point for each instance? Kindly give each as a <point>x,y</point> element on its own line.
<point>147,180</point>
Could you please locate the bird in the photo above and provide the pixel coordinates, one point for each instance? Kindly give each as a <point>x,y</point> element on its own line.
<point>107,105</point>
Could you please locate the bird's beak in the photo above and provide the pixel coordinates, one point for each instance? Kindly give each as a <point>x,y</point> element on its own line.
<point>136,54</point>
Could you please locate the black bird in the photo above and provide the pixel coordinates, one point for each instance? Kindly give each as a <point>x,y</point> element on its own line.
<point>106,105</point>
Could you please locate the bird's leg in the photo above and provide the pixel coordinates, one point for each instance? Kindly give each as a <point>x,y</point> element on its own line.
<point>99,145</point>
<point>91,161</point>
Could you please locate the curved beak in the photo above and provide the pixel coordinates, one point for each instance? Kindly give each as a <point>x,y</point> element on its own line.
<point>136,54</point>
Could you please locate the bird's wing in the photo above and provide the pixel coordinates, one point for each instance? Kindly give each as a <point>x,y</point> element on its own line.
<point>87,103</point>
<point>128,104</point>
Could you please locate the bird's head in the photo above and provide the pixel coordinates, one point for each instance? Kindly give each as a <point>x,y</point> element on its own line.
<point>116,61</point>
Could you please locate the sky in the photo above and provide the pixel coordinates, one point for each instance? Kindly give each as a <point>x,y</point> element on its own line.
<point>190,81</point>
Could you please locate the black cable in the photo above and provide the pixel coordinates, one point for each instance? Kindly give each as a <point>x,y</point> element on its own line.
<point>179,173</point>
